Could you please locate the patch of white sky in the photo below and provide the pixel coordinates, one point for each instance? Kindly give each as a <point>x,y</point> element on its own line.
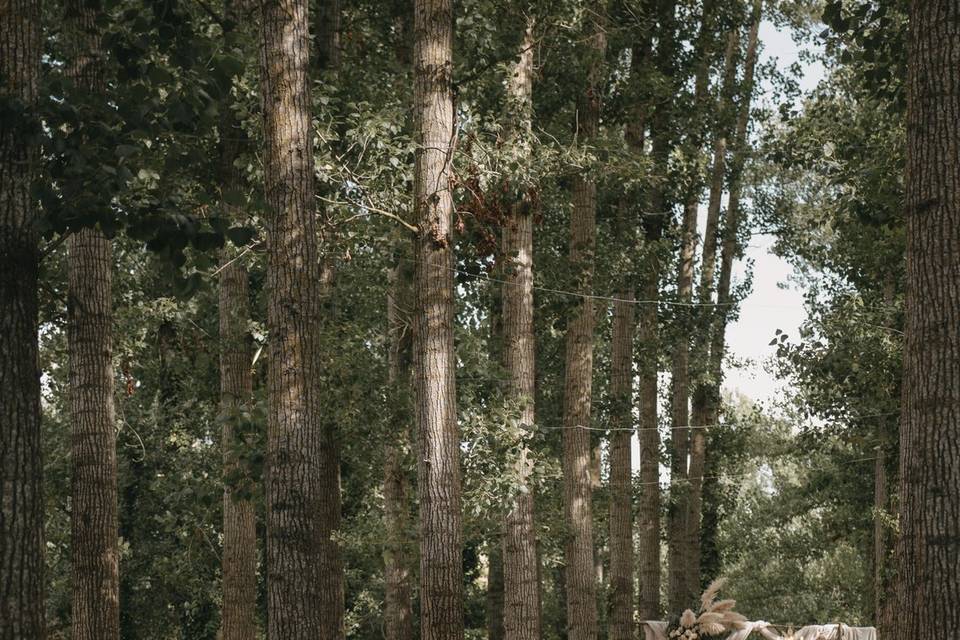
<point>774,301</point>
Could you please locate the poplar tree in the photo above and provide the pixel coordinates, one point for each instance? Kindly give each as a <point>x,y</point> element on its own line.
<point>21,497</point>
<point>928,550</point>
<point>93,515</point>
<point>438,454</point>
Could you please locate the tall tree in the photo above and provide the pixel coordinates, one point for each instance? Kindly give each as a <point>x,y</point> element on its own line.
<point>21,499</point>
<point>438,456</point>
<point>398,613</point>
<point>239,559</point>
<point>621,472</point>
<point>304,575</point>
<point>654,216</point>
<point>327,41</point>
<point>621,379</point>
<point>928,551</point>
<point>701,414</point>
<point>93,514</point>
<point>681,589</point>
<point>521,588</point>
<point>581,587</point>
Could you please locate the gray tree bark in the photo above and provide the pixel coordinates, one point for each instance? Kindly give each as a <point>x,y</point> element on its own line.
<point>928,550</point>
<point>239,560</point>
<point>439,486</point>
<point>304,570</point>
<point>93,516</point>
<point>398,613</point>
<point>581,588</point>
<point>21,467</point>
<point>521,587</point>
<point>682,590</point>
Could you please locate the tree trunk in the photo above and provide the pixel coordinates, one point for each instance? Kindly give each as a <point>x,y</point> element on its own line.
<point>881,500</point>
<point>682,585</point>
<point>581,588</point>
<point>621,470</point>
<point>398,613</point>
<point>495,629</point>
<point>441,537</point>
<point>521,587</point>
<point>239,561</point>
<point>304,571</point>
<point>93,515</point>
<point>702,413</point>
<point>327,38</point>
<point>648,511</point>
<point>21,468</point>
<point>928,550</point>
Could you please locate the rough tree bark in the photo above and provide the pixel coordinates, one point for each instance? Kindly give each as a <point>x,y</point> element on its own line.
<point>95,610</point>
<point>239,560</point>
<point>398,612</point>
<point>928,550</point>
<point>521,588</point>
<point>621,383</point>
<point>648,515</point>
<point>304,571</point>
<point>580,580</point>
<point>438,456</point>
<point>621,472</point>
<point>881,500</point>
<point>21,499</point>
<point>494,604</point>
<point>327,35</point>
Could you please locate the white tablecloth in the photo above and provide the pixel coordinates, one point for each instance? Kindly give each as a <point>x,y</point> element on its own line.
<point>657,630</point>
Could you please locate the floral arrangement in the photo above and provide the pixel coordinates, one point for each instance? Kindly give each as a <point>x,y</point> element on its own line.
<point>715,620</point>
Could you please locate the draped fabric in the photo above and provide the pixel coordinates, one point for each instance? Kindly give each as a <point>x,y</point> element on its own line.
<point>657,630</point>
<point>835,632</point>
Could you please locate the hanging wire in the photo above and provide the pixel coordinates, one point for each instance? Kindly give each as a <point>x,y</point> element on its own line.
<point>610,298</point>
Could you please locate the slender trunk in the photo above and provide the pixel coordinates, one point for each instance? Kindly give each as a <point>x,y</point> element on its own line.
<point>398,614</point>
<point>441,537</point>
<point>495,628</point>
<point>621,388</point>
<point>702,403</point>
<point>682,589</point>
<point>648,511</point>
<point>239,561</point>
<point>521,588</point>
<point>21,499</point>
<point>730,244</point>
<point>928,550</point>
<point>327,35</point>
<point>580,580</point>
<point>93,515</point>
<point>881,492</point>
<point>621,470</point>
<point>304,571</point>
<point>881,498</point>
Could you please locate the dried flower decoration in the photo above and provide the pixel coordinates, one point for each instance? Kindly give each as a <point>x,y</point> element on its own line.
<point>715,620</point>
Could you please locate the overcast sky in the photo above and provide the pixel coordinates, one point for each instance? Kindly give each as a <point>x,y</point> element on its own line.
<point>772,304</point>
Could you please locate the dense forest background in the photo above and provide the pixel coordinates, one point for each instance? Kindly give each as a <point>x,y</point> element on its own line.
<point>221,190</point>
